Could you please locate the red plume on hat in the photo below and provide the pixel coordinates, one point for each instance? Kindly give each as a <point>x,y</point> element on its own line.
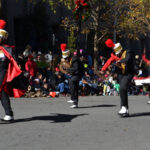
<point>63,46</point>
<point>109,43</point>
<point>2,24</point>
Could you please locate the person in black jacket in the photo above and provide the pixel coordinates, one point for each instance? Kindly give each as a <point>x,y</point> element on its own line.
<point>125,61</point>
<point>76,71</point>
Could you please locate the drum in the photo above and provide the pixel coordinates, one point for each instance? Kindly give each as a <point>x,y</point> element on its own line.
<point>64,65</point>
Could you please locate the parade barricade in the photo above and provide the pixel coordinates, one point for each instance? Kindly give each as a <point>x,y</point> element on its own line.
<point>139,81</point>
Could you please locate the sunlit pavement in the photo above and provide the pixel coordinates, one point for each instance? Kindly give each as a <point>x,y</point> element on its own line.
<point>49,124</point>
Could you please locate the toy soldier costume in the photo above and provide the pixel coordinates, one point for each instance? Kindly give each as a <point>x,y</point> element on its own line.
<point>9,74</point>
<point>125,61</point>
<point>76,71</point>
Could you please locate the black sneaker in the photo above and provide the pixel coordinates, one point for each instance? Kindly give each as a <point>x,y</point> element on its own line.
<point>124,115</point>
<point>7,119</point>
<point>2,121</point>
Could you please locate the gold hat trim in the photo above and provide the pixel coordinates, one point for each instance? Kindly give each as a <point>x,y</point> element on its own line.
<point>66,53</point>
<point>118,49</point>
<point>4,34</point>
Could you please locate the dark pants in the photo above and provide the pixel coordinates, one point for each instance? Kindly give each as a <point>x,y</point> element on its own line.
<point>148,70</point>
<point>4,96</point>
<point>74,88</point>
<point>124,81</point>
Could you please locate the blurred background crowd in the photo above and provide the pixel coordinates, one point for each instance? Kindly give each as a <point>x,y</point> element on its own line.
<point>46,80</point>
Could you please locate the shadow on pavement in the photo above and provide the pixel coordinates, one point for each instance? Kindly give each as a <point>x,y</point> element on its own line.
<point>56,118</point>
<point>95,106</point>
<point>140,114</point>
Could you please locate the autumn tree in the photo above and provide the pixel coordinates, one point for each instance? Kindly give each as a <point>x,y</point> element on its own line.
<point>102,16</point>
<point>125,18</point>
<point>134,18</point>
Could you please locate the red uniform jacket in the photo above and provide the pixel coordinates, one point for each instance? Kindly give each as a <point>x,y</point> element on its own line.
<point>146,60</point>
<point>12,73</point>
<point>112,59</point>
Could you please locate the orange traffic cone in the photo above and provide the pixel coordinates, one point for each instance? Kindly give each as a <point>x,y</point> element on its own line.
<point>52,94</point>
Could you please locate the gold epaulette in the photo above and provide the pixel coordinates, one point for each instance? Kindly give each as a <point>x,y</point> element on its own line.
<point>123,65</point>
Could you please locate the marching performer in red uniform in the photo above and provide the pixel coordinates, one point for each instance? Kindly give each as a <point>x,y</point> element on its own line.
<point>9,74</point>
<point>124,59</point>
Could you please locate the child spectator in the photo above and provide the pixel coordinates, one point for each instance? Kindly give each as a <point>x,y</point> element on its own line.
<point>45,90</point>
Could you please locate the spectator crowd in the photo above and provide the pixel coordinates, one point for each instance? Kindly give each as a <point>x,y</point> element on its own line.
<point>46,80</point>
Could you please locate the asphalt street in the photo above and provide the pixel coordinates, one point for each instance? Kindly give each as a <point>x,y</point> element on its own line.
<point>49,124</point>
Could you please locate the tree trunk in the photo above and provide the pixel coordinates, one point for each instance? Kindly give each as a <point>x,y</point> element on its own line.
<point>96,50</point>
<point>96,18</point>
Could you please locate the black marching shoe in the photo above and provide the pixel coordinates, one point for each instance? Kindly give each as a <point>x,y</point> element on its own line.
<point>124,115</point>
<point>7,120</point>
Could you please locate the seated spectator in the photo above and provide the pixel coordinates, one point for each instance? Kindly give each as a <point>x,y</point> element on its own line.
<point>37,85</point>
<point>45,90</point>
<point>48,73</point>
<point>61,83</point>
<point>85,84</point>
